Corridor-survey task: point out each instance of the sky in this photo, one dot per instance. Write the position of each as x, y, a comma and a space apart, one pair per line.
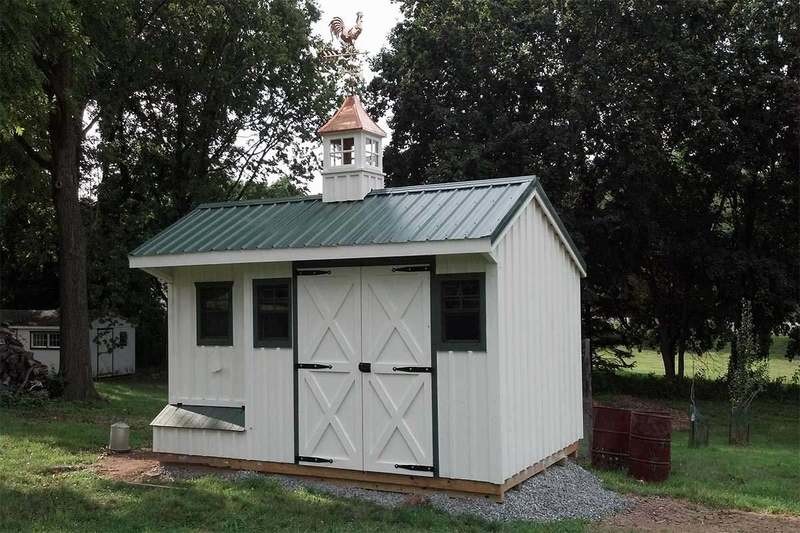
380, 16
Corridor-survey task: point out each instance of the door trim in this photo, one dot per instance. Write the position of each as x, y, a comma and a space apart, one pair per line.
430, 261
97, 352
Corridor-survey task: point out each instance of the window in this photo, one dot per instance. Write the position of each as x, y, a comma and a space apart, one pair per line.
372, 152
123, 339
272, 313
215, 313
342, 151
462, 312
44, 340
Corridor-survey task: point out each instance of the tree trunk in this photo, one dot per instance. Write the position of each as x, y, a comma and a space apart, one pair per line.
681, 359
667, 348
65, 125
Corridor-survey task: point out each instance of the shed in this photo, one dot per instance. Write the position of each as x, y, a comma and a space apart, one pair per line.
411, 337
112, 340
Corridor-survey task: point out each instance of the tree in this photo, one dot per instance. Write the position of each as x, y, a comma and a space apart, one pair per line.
182, 101
51, 51
636, 118
748, 375
225, 98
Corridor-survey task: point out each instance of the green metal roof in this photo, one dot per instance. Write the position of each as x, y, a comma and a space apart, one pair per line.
441, 212
200, 417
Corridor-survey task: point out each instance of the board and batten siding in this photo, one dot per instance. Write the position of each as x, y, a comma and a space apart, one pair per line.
539, 341
261, 379
467, 382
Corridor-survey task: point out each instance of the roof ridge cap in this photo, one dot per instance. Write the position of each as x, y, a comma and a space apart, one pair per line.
258, 201
463, 184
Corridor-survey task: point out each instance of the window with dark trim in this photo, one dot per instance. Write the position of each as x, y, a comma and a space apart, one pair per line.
272, 313
123, 339
215, 313
461, 316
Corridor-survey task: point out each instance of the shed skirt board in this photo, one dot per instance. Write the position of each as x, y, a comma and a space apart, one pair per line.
365, 399
379, 480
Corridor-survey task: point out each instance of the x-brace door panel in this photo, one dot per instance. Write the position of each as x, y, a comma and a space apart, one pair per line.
328, 380
396, 329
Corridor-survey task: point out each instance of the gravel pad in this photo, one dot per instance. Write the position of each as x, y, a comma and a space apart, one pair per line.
560, 492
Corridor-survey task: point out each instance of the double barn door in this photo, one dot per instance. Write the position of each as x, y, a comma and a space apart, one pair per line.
364, 369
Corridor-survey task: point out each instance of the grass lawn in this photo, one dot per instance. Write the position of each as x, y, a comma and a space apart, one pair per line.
715, 364
764, 476
34, 497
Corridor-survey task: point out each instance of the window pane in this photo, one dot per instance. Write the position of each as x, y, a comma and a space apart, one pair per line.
348, 143
272, 320
461, 310
123, 339
55, 340
38, 339
214, 307
462, 327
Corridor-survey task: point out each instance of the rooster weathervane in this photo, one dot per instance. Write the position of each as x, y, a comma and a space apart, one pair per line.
346, 38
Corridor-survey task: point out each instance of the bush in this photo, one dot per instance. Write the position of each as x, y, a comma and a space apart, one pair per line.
652, 386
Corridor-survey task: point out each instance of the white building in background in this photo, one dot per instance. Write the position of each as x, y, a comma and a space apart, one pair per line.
410, 337
112, 340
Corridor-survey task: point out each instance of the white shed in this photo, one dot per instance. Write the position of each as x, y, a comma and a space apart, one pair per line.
412, 337
112, 340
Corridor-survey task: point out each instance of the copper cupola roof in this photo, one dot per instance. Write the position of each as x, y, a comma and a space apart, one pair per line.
351, 116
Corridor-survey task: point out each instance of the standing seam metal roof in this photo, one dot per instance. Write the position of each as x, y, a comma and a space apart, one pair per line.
442, 212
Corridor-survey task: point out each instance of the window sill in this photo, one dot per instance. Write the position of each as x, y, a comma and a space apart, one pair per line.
461, 347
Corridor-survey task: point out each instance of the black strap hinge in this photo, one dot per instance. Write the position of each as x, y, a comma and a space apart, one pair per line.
417, 468
313, 366
417, 268
308, 459
313, 272
419, 369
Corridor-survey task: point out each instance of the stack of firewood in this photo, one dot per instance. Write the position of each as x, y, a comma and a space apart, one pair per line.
20, 373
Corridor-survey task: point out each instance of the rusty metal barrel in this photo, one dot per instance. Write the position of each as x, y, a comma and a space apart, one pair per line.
650, 445
610, 436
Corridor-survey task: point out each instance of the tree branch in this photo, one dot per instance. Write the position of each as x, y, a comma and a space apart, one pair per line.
33, 154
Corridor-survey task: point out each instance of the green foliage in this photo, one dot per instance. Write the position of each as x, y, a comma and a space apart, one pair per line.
185, 102
660, 130
749, 371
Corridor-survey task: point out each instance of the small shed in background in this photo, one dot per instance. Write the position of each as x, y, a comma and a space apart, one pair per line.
112, 340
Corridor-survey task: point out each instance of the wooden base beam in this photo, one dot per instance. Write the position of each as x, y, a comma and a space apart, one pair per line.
376, 480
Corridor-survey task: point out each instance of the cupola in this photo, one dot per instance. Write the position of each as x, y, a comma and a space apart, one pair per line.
353, 154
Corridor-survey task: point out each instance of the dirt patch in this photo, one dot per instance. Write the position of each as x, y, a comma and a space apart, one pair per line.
136, 466
669, 515
680, 419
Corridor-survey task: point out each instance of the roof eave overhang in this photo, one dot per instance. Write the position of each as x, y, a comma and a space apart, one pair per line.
462, 246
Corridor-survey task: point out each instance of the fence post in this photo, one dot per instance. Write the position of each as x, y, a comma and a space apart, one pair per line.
586, 359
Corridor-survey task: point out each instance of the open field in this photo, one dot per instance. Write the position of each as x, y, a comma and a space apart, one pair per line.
715, 364
764, 476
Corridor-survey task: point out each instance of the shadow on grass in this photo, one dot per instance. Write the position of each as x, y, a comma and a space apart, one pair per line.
84, 502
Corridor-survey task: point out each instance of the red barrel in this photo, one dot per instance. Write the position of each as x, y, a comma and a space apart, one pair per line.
610, 435
651, 435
